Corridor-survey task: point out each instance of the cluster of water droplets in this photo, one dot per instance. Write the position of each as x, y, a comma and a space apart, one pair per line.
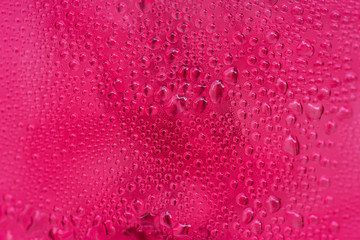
198, 119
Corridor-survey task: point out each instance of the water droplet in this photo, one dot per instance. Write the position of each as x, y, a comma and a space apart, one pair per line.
314, 110
231, 75
242, 199
273, 203
217, 91
296, 106
305, 48
291, 145
200, 105
166, 220
282, 85
247, 215
295, 219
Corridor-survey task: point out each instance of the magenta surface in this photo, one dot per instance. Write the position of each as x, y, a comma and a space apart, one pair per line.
174, 119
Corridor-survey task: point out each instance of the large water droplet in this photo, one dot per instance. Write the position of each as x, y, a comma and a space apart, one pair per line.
291, 145
231, 75
217, 91
273, 203
314, 110
305, 48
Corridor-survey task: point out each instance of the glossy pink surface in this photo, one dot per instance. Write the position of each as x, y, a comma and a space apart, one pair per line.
164, 119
